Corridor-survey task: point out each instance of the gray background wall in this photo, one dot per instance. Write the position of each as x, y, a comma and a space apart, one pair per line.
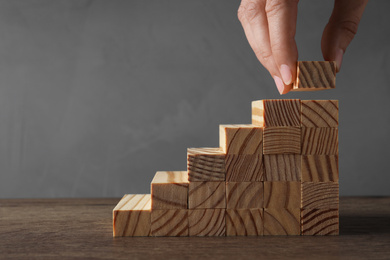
96, 96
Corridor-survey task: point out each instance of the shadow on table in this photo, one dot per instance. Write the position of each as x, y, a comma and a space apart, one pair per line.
361, 225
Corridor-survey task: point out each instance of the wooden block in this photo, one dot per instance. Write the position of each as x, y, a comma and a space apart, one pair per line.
282, 167
320, 113
320, 168
169, 222
320, 195
244, 222
206, 164
206, 195
244, 195
131, 216
315, 75
282, 140
320, 222
282, 194
207, 222
276, 112
240, 168
322, 140
170, 190
281, 221
241, 139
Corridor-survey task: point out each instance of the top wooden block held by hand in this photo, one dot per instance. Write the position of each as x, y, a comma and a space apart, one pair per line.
315, 75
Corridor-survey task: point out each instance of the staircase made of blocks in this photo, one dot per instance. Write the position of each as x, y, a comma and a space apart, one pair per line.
276, 176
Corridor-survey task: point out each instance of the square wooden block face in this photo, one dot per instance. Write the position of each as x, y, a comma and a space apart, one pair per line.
244, 195
315, 75
320, 222
320, 168
207, 222
243, 168
169, 222
206, 164
282, 194
320, 113
279, 222
244, 222
282, 167
320, 195
276, 112
241, 139
170, 190
282, 140
207, 195
322, 140
131, 216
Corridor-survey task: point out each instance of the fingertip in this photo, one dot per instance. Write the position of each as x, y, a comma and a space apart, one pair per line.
286, 74
286, 89
279, 84
339, 59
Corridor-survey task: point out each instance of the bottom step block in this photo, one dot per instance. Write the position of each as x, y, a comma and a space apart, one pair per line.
169, 223
320, 222
131, 216
282, 221
244, 222
207, 222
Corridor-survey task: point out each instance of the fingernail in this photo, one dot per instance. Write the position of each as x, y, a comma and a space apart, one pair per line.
286, 74
339, 59
279, 84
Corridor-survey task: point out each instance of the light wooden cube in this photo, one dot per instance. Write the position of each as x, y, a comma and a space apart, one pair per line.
242, 168
282, 167
244, 222
169, 222
320, 168
170, 190
282, 194
241, 139
321, 140
315, 75
281, 221
206, 164
131, 216
320, 113
282, 140
319, 222
207, 195
320, 195
244, 195
276, 112
207, 222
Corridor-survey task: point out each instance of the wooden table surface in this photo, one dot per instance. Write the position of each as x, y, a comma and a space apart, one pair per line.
82, 228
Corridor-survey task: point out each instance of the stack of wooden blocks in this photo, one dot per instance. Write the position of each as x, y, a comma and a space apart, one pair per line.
276, 176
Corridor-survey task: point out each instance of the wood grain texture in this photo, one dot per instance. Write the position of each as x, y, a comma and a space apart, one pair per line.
320, 113
320, 222
131, 216
321, 140
244, 168
206, 164
276, 112
244, 222
282, 140
169, 222
320, 195
315, 75
170, 190
282, 167
241, 139
81, 228
281, 221
207, 195
282, 194
244, 195
320, 168
207, 222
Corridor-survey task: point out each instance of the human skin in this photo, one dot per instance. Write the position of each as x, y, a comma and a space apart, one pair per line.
270, 27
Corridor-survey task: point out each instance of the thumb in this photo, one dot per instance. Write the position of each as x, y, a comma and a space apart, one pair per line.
341, 29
